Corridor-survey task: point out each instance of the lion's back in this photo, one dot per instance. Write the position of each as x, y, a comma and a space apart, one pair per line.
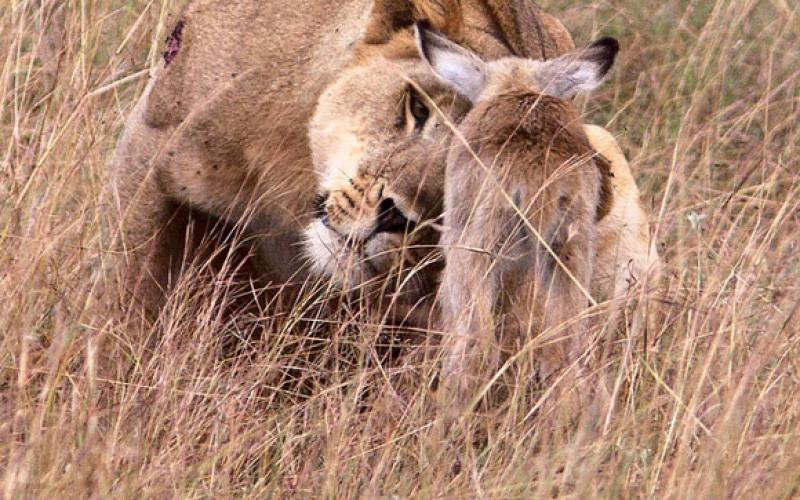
625, 250
217, 44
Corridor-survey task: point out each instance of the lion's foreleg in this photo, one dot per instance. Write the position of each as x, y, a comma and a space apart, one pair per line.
140, 230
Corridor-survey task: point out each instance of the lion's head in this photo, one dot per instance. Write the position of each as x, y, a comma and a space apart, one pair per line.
380, 138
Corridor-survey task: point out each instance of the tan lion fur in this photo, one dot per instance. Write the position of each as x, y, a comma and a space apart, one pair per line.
221, 131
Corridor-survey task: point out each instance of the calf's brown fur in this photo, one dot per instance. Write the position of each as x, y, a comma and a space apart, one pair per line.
222, 129
528, 197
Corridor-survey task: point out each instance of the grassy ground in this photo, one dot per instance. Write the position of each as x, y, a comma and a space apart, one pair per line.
706, 101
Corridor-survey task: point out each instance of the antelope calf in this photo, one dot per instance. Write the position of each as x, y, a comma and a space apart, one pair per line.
529, 204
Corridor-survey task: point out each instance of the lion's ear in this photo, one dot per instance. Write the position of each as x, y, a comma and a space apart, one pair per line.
387, 18
445, 16
391, 16
530, 31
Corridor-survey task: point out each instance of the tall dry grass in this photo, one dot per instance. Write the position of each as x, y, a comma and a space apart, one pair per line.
706, 102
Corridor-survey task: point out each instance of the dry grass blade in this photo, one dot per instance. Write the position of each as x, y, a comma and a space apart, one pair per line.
277, 402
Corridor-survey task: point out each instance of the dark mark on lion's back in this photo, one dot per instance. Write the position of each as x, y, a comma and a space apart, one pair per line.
174, 42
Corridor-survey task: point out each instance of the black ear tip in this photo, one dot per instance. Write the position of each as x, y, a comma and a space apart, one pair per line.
423, 29
424, 26
605, 50
607, 44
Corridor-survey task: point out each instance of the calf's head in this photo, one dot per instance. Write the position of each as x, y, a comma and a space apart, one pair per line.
561, 78
522, 116
380, 135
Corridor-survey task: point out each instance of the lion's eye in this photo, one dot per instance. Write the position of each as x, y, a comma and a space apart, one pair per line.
417, 109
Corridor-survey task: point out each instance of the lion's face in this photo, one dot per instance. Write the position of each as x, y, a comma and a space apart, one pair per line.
379, 140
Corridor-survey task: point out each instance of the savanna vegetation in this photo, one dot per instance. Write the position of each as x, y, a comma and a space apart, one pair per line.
703, 377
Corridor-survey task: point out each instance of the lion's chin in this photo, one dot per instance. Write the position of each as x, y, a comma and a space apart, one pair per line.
346, 267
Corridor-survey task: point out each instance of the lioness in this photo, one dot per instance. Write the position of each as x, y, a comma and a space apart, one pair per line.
524, 193
223, 130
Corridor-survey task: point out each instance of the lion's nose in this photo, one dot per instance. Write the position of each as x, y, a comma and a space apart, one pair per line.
386, 217
391, 219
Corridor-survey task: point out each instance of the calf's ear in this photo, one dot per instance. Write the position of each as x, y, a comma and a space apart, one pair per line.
580, 71
453, 64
